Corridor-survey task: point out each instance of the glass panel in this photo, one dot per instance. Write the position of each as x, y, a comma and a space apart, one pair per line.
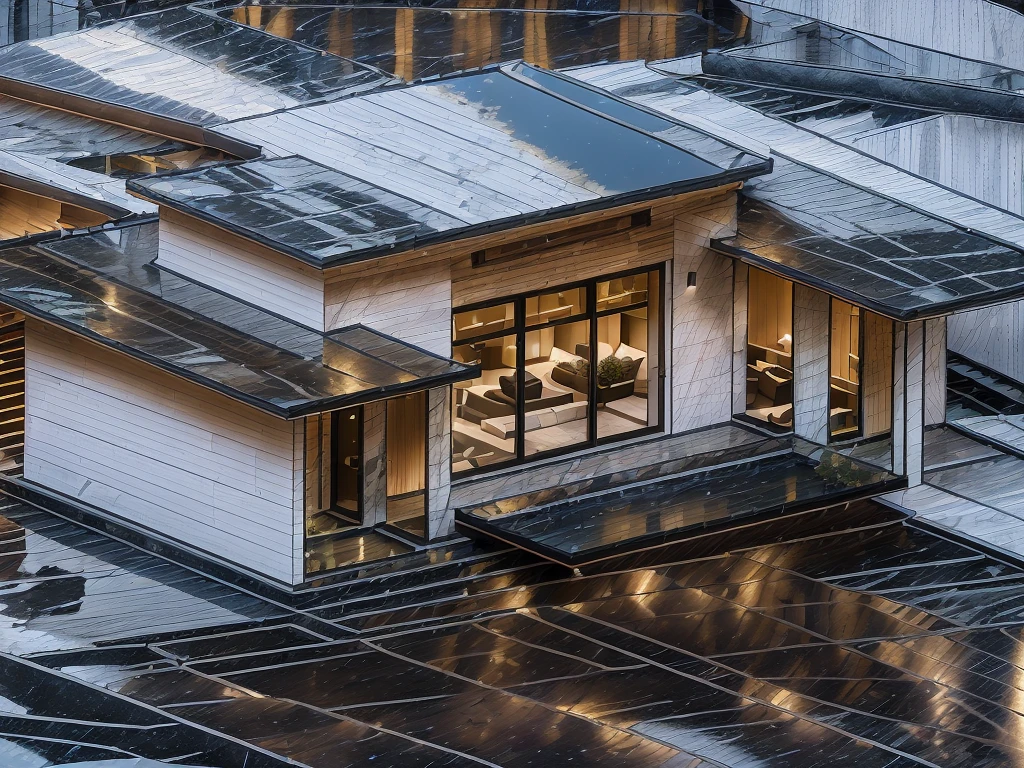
622, 291
556, 305
628, 345
770, 349
557, 383
333, 484
407, 463
484, 420
347, 453
844, 372
480, 322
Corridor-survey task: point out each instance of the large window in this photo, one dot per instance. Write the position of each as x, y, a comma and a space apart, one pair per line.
770, 349
561, 369
844, 381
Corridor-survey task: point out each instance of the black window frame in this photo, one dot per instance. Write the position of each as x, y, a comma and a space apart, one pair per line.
520, 329
849, 435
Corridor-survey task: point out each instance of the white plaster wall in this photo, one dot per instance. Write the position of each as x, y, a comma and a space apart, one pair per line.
163, 453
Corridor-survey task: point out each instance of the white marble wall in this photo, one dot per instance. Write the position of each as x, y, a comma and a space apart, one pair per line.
702, 322
915, 402
740, 298
935, 371
810, 363
375, 478
440, 518
993, 336
899, 399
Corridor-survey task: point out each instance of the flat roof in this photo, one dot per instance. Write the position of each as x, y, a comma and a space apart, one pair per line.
297, 206
460, 156
104, 287
184, 65
571, 35
65, 137
891, 259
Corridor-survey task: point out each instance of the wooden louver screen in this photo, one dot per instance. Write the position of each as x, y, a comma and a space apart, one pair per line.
562, 237
12, 390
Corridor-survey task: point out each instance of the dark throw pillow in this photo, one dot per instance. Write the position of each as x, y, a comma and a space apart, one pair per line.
534, 386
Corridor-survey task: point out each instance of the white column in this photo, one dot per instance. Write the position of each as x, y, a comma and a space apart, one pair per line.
899, 403
375, 465
935, 371
915, 402
810, 363
440, 519
739, 336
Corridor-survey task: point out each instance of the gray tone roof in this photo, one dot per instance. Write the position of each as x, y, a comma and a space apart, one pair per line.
490, 150
104, 286
184, 65
867, 249
66, 137
834, 212
297, 206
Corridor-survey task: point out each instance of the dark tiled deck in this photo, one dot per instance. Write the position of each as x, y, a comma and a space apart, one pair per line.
587, 529
826, 639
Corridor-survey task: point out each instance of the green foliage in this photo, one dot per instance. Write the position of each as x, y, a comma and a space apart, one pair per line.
610, 371
837, 470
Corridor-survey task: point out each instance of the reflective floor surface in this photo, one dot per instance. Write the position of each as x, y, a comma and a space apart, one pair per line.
842, 637
770, 477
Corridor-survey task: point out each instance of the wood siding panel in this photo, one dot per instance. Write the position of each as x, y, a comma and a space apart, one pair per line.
231, 264
877, 373
163, 453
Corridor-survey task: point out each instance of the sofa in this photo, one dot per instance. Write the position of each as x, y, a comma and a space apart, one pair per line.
575, 374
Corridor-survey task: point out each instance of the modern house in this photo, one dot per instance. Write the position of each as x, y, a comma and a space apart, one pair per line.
281, 312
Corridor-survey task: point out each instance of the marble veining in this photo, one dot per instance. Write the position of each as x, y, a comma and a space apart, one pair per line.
811, 361
440, 518
935, 371
740, 283
915, 384
375, 480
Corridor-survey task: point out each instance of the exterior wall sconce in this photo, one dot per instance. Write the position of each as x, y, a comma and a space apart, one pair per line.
691, 279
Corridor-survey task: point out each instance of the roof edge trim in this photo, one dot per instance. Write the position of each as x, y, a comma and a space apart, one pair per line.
138, 119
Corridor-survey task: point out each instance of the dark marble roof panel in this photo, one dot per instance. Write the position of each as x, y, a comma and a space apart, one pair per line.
186, 65
867, 248
113, 296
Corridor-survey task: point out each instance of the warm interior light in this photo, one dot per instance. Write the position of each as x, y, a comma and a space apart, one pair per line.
691, 279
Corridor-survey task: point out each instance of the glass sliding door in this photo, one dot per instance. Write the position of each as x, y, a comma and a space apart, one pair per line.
844, 398
407, 463
628, 351
561, 370
333, 484
556, 415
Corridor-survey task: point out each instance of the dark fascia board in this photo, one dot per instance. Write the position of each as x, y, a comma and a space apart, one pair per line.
317, 406
896, 90
726, 177
938, 309
117, 114
111, 210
